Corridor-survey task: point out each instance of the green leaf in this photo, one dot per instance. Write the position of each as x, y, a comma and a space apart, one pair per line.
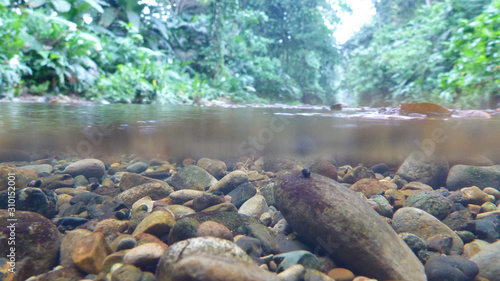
108, 17
134, 19
61, 6
161, 27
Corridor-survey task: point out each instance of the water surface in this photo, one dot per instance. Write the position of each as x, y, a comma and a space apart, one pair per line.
350, 136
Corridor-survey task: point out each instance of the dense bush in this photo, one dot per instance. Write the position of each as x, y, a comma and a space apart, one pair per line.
172, 52
446, 52
191, 51
475, 78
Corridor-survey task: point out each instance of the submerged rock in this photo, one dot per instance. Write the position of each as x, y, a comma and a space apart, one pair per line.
157, 223
205, 201
197, 246
33, 199
154, 190
216, 168
472, 114
20, 178
292, 258
488, 226
59, 181
35, 236
455, 268
254, 207
428, 169
89, 252
358, 173
137, 167
464, 176
129, 180
327, 214
68, 242
87, 167
214, 229
214, 268
229, 182
242, 193
191, 176
145, 255
424, 225
370, 187
39, 169
325, 168
59, 274
236, 222
488, 261
432, 202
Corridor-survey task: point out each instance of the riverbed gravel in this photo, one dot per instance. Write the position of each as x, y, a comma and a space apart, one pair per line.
120, 218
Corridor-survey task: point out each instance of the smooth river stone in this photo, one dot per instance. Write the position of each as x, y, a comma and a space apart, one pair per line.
336, 219
461, 176
488, 261
424, 225
197, 246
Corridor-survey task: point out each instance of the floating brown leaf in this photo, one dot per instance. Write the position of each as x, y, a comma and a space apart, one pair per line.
424, 108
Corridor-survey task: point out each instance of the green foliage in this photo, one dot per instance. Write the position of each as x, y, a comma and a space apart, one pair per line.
171, 52
57, 52
475, 77
12, 67
303, 44
400, 64
126, 85
441, 54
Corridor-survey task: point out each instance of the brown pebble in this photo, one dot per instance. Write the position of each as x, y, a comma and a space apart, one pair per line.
273, 266
188, 162
474, 208
214, 229
188, 204
90, 251
341, 274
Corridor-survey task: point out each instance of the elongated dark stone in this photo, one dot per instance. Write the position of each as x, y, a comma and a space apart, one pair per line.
334, 218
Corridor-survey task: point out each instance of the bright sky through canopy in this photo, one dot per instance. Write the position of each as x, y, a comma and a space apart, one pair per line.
362, 12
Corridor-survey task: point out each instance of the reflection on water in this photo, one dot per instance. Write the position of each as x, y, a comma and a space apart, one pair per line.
172, 131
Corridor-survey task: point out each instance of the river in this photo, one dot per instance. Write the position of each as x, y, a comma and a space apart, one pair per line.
350, 136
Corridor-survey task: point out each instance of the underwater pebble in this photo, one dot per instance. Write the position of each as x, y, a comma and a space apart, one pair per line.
229, 182
431, 170
464, 176
87, 167
215, 268
424, 225
137, 167
254, 207
441, 268
144, 255
214, 229
35, 236
191, 176
89, 252
198, 246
